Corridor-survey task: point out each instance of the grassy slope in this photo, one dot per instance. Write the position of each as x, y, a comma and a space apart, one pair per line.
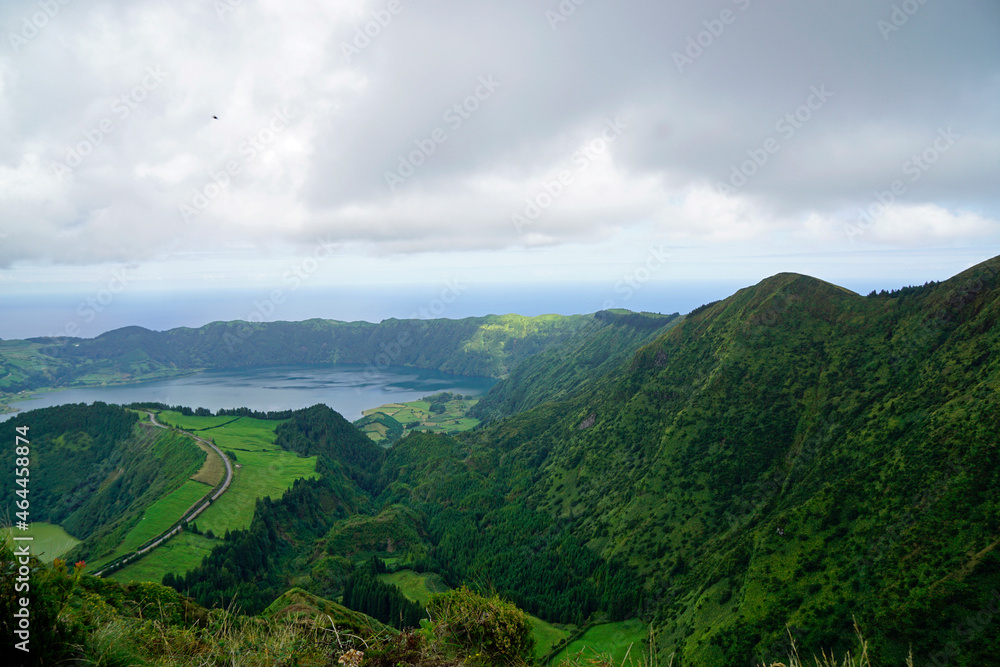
613, 642
177, 555
95, 471
264, 468
751, 461
157, 518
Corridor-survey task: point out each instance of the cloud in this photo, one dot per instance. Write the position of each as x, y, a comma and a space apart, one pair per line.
112, 153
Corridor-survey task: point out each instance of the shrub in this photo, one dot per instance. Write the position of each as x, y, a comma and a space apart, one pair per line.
491, 628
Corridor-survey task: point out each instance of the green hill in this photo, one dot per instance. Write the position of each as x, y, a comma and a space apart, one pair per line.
782, 463
488, 346
556, 373
95, 470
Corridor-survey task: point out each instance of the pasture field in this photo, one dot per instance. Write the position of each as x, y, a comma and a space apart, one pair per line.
177, 555
609, 639
417, 416
261, 467
415, 586
50, 541
157, 518
259, 474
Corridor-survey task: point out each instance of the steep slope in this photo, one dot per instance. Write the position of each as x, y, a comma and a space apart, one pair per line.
789, 459
95, 469
599, 348
795, 454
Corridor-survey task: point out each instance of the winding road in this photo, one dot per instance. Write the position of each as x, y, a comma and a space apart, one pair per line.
192, 512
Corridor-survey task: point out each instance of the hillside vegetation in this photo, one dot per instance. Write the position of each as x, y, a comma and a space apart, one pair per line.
776, 466
95, 470
488, 346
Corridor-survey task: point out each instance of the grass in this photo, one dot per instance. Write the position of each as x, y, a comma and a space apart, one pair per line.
213, 470
415, 586
452, 420
609, 641
419, 587
263, 469
50, 541
547, 635
177, 555
261, 473
157, 518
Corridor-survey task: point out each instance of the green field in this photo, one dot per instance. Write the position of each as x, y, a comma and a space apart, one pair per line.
157, 518
49, 540
415, 586
420, 587
261, 467
609, 639
177, 555
416, 416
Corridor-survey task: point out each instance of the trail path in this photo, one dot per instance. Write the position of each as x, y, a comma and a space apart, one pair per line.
190, 515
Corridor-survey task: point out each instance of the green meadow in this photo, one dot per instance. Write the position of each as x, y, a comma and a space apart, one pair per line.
417, 416
177, 555
48, 542
157, 518
261, 467
608, 642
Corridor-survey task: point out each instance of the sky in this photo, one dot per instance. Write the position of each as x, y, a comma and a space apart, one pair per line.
280, 149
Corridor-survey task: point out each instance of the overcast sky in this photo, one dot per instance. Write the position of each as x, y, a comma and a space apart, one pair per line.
409, 141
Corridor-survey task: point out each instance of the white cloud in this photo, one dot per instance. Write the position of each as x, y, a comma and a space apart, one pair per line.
135, 86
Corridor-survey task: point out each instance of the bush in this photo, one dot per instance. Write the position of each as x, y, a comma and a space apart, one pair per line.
491, 628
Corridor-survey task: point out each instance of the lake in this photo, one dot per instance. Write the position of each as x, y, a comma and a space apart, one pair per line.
347, 388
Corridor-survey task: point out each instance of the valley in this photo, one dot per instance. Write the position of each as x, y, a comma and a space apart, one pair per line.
790, 461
